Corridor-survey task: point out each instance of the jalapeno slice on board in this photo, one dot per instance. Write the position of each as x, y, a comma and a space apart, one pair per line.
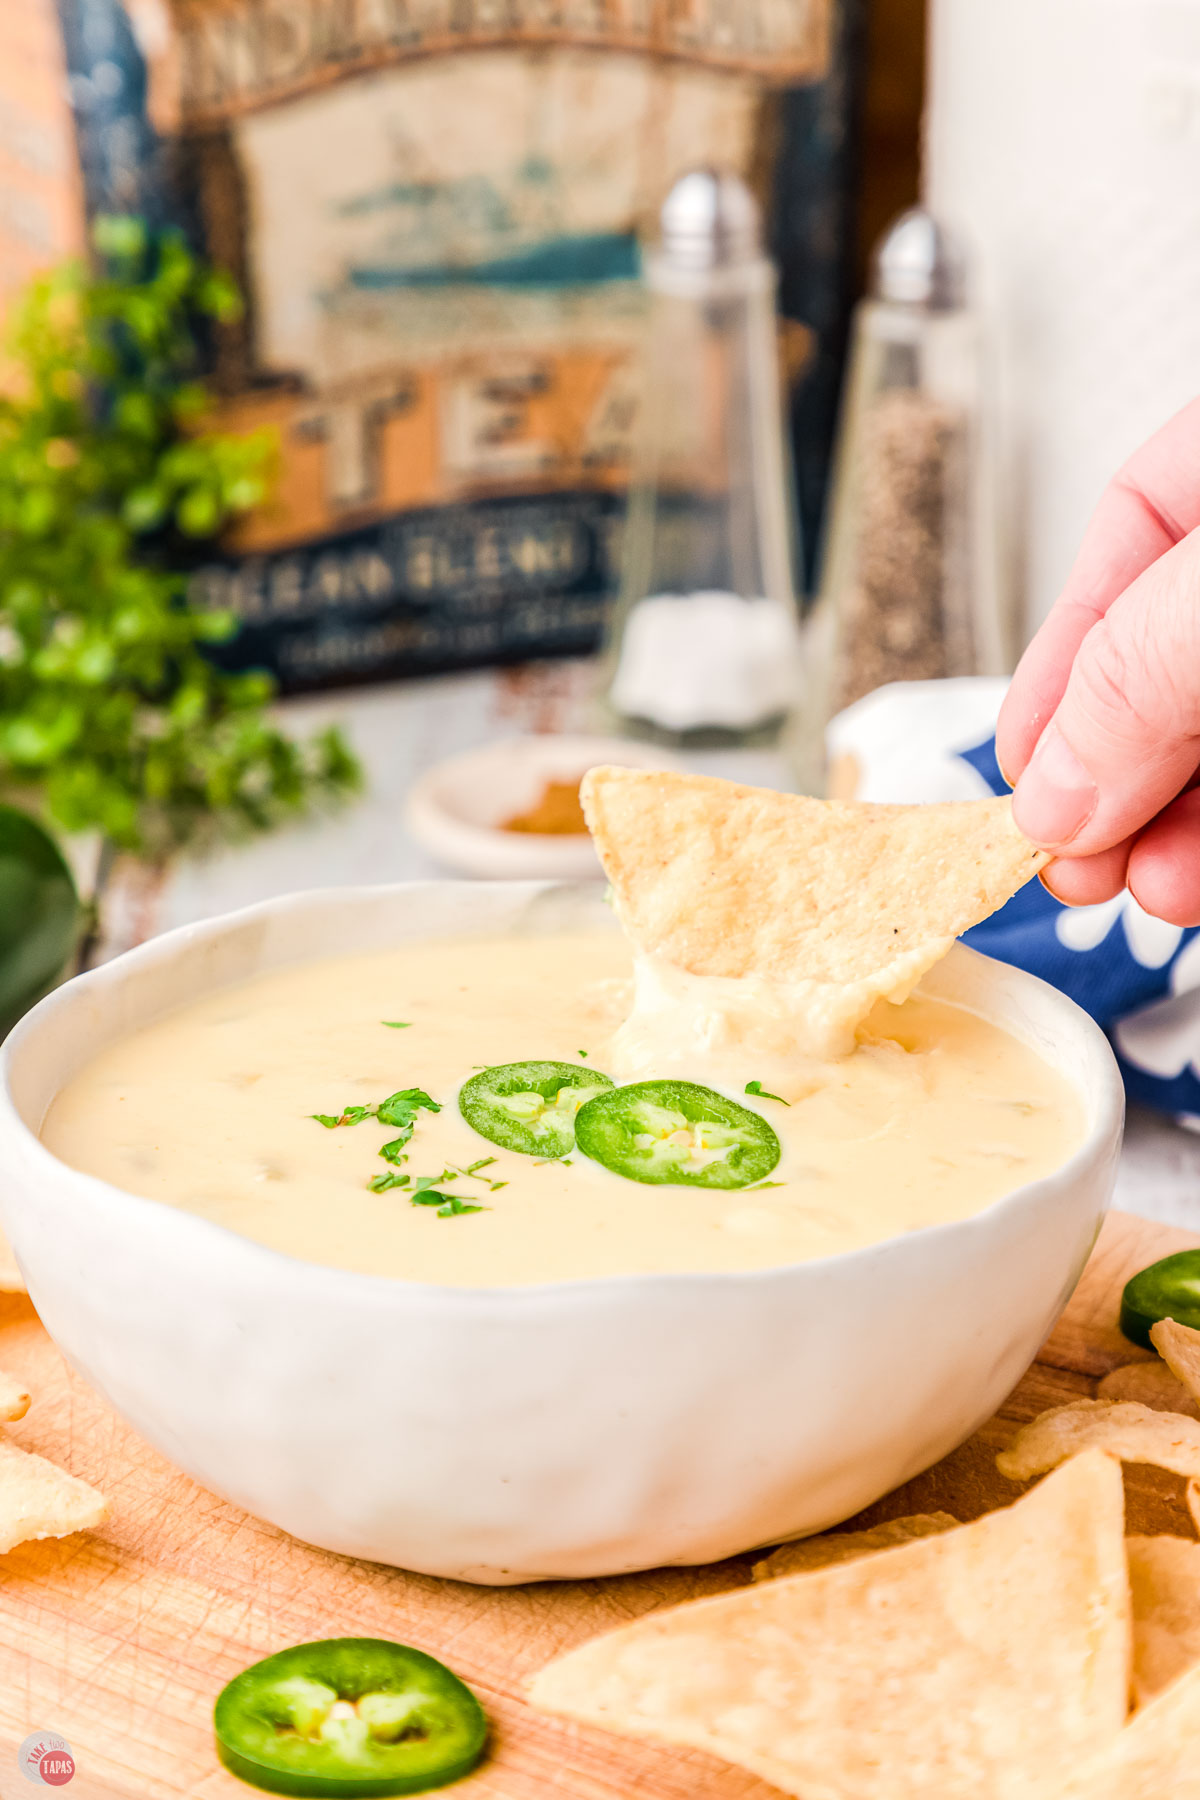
1169, 1289
349, 1716
675, 1132
529, 1107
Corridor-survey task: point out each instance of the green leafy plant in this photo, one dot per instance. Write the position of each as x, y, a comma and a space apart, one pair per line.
41, 921
111, 715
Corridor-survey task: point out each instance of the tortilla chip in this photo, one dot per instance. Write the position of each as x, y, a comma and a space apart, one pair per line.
14, 1401
1154, 1757
1150, 1384
1164, 1580
1123, 1428
727, 880
1191, 1498
11, 1279
843, 1546
980, 1664
39, 1500
1179, 1347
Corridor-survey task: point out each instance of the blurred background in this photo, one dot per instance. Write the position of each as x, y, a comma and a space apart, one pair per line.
405, 406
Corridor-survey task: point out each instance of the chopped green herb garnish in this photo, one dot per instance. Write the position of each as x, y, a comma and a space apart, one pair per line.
350, 1115
449, 1206
497, 1185
396, 1024
398, 1109
427, 1181
756, 1087
385, 1179
581, 1053
402, 1108
760, 1185
485, 1162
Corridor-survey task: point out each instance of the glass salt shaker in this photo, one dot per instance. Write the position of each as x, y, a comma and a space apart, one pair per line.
910, 583
705, 646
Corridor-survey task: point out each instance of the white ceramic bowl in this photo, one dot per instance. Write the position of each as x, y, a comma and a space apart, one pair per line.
573, 1429
456, 809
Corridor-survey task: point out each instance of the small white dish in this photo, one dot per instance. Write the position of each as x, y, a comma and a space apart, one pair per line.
456, 809
568, 1429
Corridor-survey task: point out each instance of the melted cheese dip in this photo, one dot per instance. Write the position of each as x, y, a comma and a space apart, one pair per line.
935, 1114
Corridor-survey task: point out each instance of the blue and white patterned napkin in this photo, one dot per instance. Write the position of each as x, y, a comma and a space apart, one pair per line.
1138, 977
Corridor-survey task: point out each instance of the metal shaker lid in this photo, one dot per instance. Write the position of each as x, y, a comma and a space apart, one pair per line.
710, 220
918, 263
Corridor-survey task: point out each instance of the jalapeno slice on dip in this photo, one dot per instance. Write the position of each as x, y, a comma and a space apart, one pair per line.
675, 1132
529, 1107
1169, 1289
349, 1716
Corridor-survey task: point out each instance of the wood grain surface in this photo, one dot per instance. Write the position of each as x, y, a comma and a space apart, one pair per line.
121, 1639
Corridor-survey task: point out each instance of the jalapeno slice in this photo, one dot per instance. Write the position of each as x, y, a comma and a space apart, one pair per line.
1169, 1289
529, 1107
349, 1716
675, 1132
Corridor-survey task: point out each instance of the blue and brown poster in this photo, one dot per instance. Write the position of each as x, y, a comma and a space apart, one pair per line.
434, 209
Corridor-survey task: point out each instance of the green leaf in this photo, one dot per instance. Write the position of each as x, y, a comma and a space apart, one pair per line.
757, 1088
29, 741
35, 511
144, 508
199, 513
349, 1115
119, 236
401, 1108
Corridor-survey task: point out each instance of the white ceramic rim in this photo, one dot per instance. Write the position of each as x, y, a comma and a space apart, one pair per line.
1105, 1104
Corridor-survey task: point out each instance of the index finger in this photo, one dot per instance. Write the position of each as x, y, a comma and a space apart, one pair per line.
1149, 506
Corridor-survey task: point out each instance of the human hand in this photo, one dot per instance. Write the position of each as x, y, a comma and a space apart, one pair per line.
1100, 730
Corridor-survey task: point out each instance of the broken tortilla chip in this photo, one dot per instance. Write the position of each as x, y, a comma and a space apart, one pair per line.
14, 1401
1150, 1384
40, 1500
842, 1546
1191, 1499
980, 1664
1179, 1347
1123, 1428
1154, 1757
1164, 1581
727, 880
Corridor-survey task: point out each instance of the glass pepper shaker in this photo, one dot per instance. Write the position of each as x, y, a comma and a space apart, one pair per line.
909, 587
705, 645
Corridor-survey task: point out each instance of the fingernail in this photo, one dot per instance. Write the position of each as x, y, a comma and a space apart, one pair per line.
1056, 796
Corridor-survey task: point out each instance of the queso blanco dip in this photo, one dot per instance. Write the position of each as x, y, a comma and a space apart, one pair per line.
935, 1114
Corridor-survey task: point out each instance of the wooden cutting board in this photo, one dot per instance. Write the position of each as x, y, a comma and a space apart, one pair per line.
121, 1639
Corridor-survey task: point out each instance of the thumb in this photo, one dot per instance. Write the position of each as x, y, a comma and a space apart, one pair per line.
1125, 737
